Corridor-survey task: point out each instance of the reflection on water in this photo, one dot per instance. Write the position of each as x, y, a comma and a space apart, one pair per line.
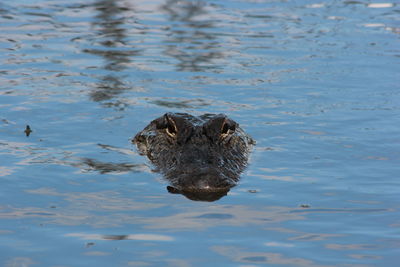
144, 237
190, 38
109, 25
108, 87
79, 207
108, 167
200, 196
32, 154
238, 255
182, 104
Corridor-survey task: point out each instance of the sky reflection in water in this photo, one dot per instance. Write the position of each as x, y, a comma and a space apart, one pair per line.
316, 85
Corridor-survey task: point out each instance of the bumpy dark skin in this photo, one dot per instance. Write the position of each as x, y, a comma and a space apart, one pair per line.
202, 157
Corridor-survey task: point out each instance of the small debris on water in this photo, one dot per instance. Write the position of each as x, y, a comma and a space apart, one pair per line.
305, 206
89, 244
28, 130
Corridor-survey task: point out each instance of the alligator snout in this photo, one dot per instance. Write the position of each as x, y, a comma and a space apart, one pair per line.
201, 179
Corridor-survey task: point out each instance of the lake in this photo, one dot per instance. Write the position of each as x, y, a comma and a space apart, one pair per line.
316, 84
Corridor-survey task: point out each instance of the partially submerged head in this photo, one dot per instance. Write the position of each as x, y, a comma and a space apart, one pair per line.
196, 154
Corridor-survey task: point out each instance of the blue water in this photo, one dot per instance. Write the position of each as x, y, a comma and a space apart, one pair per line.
316, 84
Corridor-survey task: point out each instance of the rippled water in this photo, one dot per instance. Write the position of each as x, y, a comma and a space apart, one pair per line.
315, 83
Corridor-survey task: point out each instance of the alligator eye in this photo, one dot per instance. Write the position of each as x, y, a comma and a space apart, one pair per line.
228, 127
171, 129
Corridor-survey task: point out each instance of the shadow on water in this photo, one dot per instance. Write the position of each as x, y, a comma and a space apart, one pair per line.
189, 39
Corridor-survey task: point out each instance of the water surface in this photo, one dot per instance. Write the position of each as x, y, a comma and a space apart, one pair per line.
316, 85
